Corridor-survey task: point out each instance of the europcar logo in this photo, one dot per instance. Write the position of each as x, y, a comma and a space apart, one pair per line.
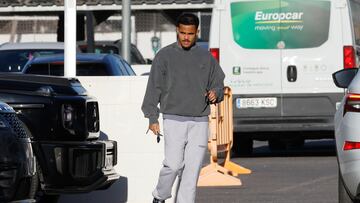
236, 70
286, 17
262, 24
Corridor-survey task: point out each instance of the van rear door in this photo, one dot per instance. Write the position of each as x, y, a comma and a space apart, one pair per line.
311, 51
250, 57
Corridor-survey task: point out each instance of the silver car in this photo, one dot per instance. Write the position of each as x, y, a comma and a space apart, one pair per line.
347, 135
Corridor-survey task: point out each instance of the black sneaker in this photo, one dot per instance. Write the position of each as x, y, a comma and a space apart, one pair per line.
158, 201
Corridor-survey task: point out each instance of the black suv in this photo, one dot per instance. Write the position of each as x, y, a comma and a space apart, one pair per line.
63, 123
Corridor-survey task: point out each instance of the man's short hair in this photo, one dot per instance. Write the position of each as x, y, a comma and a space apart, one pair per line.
187, 19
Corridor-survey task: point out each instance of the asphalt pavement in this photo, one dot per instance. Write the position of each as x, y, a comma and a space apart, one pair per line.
298, 175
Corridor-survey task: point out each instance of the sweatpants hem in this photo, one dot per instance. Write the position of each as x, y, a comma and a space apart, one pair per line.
157, 196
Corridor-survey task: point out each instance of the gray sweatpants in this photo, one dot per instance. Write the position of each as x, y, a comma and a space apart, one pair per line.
186, 141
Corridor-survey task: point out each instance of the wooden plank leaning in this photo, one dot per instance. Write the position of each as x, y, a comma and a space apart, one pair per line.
220, 140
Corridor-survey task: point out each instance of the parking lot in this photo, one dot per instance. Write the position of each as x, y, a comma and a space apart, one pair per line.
297, 175
87, 137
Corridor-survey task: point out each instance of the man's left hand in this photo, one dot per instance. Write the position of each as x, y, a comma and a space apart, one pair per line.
212, 96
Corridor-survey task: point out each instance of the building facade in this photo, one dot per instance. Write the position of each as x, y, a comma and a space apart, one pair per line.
152, 21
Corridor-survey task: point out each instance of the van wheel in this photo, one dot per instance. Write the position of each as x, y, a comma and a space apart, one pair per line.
344, 197
242, 145
276, 144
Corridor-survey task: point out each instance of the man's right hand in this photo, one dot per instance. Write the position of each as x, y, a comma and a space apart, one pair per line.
155, 128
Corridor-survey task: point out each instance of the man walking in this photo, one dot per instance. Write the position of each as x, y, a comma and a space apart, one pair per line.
184, 79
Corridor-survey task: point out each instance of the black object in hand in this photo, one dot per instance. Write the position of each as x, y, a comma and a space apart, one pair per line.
158, 137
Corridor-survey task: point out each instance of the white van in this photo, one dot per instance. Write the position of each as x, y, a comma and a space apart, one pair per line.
278, 57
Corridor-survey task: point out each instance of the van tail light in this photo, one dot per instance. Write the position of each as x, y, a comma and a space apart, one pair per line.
349, 57
348, 145
216, 53
352, 103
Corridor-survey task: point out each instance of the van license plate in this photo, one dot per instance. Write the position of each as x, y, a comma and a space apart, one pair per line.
265, 102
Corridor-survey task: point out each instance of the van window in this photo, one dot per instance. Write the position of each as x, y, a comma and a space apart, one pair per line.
355, 13
280, 24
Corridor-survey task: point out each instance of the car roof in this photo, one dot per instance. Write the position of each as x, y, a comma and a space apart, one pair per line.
89, 57
32, 45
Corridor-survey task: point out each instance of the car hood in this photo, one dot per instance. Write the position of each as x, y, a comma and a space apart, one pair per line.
44, 85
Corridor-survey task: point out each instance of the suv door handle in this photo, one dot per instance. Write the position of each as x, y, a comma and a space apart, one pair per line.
291, 73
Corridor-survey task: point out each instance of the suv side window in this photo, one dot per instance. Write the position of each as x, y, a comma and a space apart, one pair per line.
39, 69
83, 69
91, 69
120, 65
128, 68
124, 66
15, 60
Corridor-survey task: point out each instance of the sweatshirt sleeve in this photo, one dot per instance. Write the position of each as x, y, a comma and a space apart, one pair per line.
217, 77
153, 92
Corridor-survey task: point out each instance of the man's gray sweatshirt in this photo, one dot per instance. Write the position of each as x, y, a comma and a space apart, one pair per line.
179, 80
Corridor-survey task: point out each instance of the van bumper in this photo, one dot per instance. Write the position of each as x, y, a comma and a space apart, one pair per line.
271, 124
293, 112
